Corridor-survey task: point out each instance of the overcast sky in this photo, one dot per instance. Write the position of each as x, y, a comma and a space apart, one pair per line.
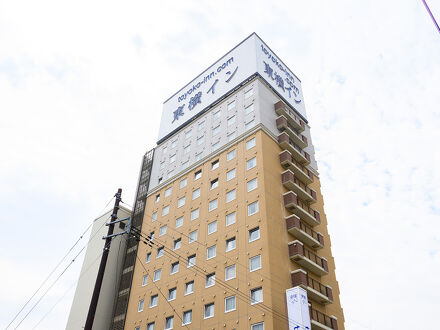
81, 90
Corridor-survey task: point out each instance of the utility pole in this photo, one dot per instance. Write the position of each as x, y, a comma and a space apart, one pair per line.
100, 276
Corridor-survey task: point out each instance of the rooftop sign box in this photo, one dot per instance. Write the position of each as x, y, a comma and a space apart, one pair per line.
252, 56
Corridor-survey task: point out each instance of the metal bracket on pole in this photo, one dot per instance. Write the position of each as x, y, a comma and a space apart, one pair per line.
126, 231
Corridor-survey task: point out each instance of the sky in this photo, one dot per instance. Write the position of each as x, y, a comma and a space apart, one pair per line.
81, 90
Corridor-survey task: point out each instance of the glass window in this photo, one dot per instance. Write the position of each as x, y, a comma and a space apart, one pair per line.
214, 184
159, 180
198, 175
230, 272
141, 305
163, 230
212, 227
231, 120
255, 263
230, 304
174, 267
210, 280
151, 236
177, 244
209, 310
172, 158
230, 244
157, 199
174, 144
213, 204
256, 295
201, 125
230, 218
251, 163
187, 317
230, 155
165, 210
165, 149
216, 115
199, 156
157, 274
162, 165
150, 326
194, 214
188, 134
187, 149
252, 184
231, 136
183, 183
169, 321
249, 109
191, 261
253, 208
230, 174
160, 252
154, 217
200, 140
249, 93
257, 326
144, 280
148, 257
193, 236
172, 294
181, 202
254, 234
153, 300
215, 146
137, 328
196, 193
168, 191
210, 252
230, 196
215, 164
231, 105
250, 144
249, 124
179, 222
216, 130
189, 287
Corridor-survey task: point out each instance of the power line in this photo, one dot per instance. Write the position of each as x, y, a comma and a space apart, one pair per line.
430, 14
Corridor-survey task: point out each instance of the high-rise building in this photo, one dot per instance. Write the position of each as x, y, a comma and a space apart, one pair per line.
230, 207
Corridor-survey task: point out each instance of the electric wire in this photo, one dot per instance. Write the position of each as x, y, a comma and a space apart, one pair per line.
430, 14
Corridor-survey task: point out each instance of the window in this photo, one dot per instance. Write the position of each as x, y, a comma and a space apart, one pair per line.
215, 146
198, 175
254, 234
257, 326
154, 217
182, 183
162, 165
230, 244
137, 328
200, 140
189, 287
160, 252
150, 326
253, 208
230, 196
157, 274
181, 202
216, 115
209, 310
179, 222
196, 193
230, 218
193, 236
188, 134
168, 191
159, 180
210, 280
252, 184
141, 305
255, 263
172, 158
174, 144
144, 280
210, 252
163, 230
231, 120
230, 304
157, 198
194, 214
166, 210
212, 227
164, 149
250, 144
251, 163
249, 93
198, 156
231, 136
172, 294
191, 261
231, 105
216, 130
230, 174
214, 184
148, 257
187, 317
256, 295
177, 244
249, 124
249, 109
215, 164
229, 272
174, 267
153, 301
213, 205
230, 155
187, 149
169, 322
201, 125
151, 236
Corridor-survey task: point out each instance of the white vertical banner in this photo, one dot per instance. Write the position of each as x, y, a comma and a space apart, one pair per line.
298, 309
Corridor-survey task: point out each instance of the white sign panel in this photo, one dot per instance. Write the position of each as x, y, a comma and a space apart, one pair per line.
249, 57
298, 309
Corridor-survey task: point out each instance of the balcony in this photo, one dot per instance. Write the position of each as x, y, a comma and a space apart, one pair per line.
284, 126
315, 290
297, 153
304, 233
282, 110
299, 188
307, 259
304, 212
299, 170
320, 321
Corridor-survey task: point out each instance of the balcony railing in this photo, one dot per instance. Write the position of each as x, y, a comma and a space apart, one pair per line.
315, 290
284, 126
301, 209
287, 143
298, 187
303, 232
321, 321
294, 120
307, 258
287, 161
